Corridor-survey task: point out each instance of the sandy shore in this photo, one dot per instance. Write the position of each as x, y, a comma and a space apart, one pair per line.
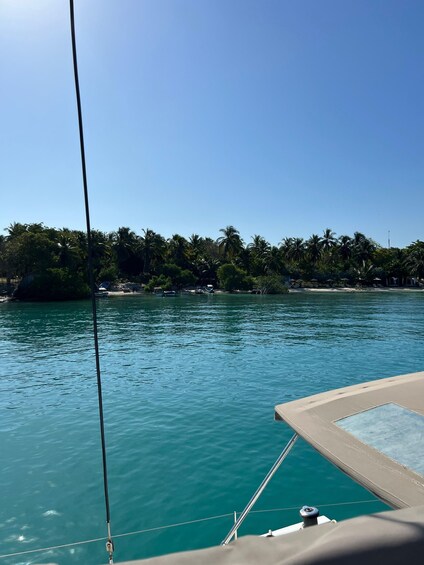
351, 289
299, 290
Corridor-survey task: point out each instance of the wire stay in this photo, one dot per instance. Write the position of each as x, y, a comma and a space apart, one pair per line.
109, 543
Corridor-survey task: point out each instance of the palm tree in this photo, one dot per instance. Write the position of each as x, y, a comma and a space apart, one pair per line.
259, 251
152, 249
230, 243
365, 271
328, 240
328, 245
67, 249
206, 269
344, 248
16, 229
259, 245
126, 245
177, 250
274, 261
415, 258
285, 248
196, 250
297, 252
124, 242
195, 244
293, 250
363, 248
314, 247
391, 263
101, 250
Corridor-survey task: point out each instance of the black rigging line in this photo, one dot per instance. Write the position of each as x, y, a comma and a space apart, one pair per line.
109, 544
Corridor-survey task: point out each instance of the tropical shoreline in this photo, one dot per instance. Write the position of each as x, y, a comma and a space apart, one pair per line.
343, 290
38, 263
291, 291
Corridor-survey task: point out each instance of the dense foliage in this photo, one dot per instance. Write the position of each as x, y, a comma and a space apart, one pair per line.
51, 263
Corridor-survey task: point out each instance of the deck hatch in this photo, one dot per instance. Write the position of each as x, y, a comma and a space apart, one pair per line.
392, 430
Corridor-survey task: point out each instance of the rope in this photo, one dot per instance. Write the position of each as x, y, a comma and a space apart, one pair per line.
109, 544
176, 525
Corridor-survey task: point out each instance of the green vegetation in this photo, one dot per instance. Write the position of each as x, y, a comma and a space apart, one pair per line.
231, 277
271, 284
51, 263
53, 284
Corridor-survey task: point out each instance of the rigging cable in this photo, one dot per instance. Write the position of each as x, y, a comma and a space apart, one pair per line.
109, 543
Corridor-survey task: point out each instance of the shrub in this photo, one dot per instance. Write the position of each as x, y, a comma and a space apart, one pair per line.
271, 284
164, 282
51, 285
233, 278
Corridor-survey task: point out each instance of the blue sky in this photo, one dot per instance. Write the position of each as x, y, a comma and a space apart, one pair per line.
281, 118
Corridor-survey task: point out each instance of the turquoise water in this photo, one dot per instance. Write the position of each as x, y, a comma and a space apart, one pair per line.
189, 389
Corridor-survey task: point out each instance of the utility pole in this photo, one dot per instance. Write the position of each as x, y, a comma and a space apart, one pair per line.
388, 239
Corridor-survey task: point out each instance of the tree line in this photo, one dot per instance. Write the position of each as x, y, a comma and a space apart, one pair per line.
51, 263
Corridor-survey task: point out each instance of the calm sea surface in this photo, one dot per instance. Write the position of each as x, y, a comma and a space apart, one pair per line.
189, 389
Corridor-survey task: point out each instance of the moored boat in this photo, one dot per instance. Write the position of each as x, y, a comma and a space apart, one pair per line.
101, 293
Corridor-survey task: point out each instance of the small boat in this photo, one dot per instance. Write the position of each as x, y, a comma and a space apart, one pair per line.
189, 291
101, 292
208, 289
169, 293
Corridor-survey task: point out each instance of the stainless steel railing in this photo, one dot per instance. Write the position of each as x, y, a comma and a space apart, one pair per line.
260, 490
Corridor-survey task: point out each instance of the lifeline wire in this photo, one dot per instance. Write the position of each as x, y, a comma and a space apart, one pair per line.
176, 525
109, 544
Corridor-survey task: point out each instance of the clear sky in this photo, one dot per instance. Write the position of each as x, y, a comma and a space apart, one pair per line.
279, 117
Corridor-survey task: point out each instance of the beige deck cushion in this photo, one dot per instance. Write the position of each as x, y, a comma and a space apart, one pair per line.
392, 538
